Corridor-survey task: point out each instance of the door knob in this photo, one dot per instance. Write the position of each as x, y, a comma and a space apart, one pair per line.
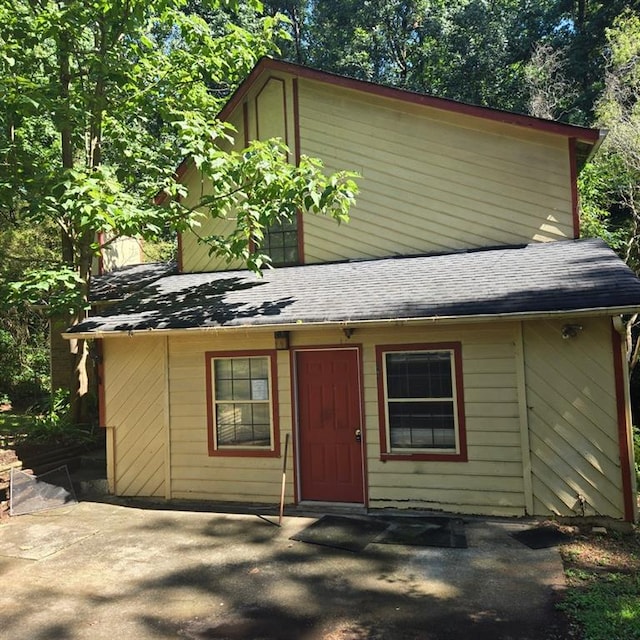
358, 435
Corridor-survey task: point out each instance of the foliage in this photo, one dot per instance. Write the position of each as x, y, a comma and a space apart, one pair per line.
99, 101
606, 607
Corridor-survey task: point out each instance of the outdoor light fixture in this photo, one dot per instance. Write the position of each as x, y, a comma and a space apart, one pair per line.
282, 340
571, 331
348, 332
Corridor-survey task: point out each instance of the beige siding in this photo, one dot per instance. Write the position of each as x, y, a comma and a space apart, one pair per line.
491, 482
134, 393
195, 474
570, 448
430, 180
573, 419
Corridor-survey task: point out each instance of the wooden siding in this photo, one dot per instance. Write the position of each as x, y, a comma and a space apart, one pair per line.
134, 394
196, 475
572, 419
491, 482
430, 180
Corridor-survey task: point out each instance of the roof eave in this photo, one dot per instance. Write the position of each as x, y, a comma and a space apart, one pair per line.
377, 322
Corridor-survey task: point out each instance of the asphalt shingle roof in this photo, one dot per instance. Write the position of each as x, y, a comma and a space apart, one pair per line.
122, 282
537, 278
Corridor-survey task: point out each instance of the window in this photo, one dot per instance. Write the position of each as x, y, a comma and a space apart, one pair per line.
242, 411
420, 401
281, 242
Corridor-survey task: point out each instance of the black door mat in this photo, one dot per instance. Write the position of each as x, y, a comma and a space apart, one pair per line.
542, 537
354, 534
350, 534
425, 532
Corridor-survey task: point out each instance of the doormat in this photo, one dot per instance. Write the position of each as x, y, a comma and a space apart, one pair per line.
425, 532
350, 534
541, 537
29, 494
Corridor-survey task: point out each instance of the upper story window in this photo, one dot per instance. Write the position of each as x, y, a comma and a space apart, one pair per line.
421, 403
242, 410
281, 243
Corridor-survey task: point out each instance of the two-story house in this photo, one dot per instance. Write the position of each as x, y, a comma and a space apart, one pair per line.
455, 347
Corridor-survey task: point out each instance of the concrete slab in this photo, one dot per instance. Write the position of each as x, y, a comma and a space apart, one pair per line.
142, 573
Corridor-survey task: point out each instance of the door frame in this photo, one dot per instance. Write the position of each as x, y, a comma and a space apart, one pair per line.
295, 430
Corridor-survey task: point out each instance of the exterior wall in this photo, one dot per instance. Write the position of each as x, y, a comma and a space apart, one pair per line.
122, 252
430, 180
490, 482
134, 391
540, 412
196, 475
572, 413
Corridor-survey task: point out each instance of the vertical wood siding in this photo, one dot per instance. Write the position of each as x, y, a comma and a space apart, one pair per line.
572, 419
134, 394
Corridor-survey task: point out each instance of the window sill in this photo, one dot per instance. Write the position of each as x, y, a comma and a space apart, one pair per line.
244, 453
422, 455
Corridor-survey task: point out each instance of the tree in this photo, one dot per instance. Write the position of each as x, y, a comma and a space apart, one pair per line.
100, 99
610, 185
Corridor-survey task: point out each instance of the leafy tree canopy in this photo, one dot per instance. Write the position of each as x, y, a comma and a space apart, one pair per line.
100, 99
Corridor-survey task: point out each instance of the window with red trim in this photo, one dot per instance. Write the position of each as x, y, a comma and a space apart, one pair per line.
242, 410
420, 402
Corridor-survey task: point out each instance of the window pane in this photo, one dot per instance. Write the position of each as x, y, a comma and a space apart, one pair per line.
419, 375
242, 398
243, 424
222, 369
422, 425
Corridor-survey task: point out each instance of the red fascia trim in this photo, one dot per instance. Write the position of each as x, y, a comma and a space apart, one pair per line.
456, 347
487, 113
296, 135
102, 405
621, 407
573, 172
272, 354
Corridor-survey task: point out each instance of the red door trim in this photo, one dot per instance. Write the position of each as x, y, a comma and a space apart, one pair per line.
295, 426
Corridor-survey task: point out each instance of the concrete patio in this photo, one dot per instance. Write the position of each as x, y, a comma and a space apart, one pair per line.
107, 570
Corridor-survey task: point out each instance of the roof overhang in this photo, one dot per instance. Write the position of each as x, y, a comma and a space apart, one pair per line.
363, 324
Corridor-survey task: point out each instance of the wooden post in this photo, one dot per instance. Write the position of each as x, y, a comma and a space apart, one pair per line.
284, 477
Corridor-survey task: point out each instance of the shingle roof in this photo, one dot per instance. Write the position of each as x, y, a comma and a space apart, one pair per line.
121, 283
564, 276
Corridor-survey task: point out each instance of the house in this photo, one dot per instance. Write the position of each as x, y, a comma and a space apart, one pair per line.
455, 347
118, 272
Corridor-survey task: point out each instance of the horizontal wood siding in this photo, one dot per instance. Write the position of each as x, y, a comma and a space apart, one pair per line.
431, 181
572, 420
134, 394
491, 482
196, 475
195, 254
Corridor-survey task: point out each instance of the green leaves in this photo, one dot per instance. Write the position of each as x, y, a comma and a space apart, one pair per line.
257, 188
60, 290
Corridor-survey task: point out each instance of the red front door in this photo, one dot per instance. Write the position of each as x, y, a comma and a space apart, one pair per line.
329, 423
